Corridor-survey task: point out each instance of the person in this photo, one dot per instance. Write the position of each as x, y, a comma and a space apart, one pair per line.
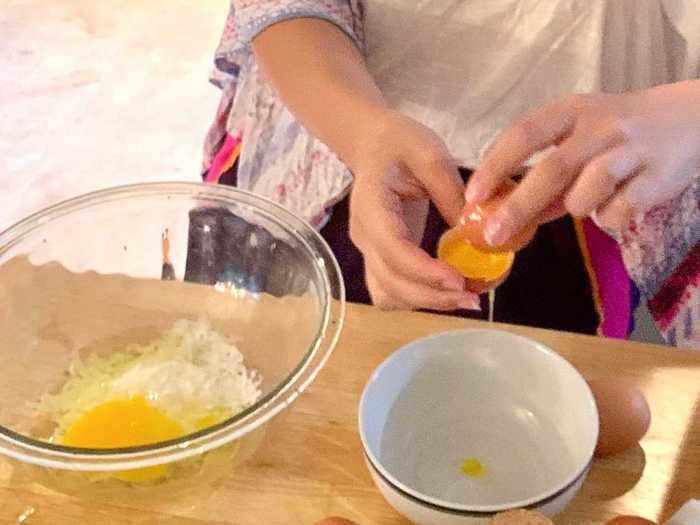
398, 102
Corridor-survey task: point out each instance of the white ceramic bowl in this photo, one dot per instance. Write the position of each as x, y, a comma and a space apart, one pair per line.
509, 402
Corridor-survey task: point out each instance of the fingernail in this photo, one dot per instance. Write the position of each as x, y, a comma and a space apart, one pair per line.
454, 285
470, 302
496, 232
475, 193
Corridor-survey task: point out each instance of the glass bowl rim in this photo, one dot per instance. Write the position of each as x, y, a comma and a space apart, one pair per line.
41, 453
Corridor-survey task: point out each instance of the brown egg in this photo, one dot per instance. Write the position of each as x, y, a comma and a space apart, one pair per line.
520, 517
474, 218
334, 520
629, 520
623, 412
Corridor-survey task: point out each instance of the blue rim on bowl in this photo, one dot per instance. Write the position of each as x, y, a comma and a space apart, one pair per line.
471, 513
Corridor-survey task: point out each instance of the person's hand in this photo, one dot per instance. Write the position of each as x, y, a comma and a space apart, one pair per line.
403, 166
614, 154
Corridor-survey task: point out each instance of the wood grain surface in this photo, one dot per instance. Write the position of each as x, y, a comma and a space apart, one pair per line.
310, 464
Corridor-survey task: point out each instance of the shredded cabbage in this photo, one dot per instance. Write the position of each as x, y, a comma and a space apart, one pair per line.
192, 373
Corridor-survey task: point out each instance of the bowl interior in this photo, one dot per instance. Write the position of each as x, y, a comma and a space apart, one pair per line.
478, 420
87, 278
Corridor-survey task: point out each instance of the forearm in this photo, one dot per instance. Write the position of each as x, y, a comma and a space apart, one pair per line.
321, 76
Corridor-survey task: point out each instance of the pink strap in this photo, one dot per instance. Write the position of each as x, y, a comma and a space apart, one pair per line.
220, 159
614, 286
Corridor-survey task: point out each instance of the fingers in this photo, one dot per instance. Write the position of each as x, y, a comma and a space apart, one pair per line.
399, 274
641, 192
377, 227
545, 184
379, 296
600, 179
440, 177
392, 291
552, 212
615, 215
659, 184
537, 131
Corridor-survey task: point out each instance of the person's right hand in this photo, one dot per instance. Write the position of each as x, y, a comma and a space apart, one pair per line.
404, 166
613, 155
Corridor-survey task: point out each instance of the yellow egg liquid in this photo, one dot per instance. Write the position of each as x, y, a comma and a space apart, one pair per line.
130, 423
473, 468
471, 262
124, 423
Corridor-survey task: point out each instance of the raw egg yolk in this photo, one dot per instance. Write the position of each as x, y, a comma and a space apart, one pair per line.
471, 262
124, 423
473, 468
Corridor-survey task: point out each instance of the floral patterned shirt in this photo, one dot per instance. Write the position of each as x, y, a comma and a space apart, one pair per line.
280, 160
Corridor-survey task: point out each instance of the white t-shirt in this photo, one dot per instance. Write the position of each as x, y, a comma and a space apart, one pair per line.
469, 68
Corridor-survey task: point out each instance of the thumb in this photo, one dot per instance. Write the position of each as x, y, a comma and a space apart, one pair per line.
438, 174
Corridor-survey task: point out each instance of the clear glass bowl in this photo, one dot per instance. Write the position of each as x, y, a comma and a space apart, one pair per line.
88, 276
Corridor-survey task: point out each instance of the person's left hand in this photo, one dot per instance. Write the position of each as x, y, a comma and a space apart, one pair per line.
614, 154
403, 166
